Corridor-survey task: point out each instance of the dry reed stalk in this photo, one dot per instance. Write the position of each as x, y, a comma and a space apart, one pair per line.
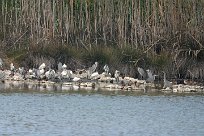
121, 22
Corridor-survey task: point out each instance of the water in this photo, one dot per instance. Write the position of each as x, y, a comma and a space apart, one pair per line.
63, 114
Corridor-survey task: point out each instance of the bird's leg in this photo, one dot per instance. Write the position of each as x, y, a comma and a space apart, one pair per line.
117, 80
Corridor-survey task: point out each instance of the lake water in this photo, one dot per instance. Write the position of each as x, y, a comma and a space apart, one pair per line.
87, 114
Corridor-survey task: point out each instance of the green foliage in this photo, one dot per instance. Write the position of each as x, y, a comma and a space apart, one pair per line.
17, 55
130, 54
160, 61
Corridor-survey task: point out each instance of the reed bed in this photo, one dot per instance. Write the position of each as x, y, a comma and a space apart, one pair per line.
164, 32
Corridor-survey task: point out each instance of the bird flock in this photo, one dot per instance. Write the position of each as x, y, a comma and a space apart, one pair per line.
63, 74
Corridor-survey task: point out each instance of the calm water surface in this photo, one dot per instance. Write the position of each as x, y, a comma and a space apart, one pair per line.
63, 114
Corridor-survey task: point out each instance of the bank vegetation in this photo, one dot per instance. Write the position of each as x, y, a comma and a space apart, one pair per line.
160, 35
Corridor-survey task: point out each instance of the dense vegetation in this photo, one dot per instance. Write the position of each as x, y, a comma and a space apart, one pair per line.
158, 34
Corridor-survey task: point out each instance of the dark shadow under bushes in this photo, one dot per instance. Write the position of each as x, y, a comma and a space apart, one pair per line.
125, 59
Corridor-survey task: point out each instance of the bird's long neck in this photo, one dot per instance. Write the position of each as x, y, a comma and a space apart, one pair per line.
164, 76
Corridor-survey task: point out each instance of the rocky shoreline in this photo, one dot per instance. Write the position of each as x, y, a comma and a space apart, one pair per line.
126, 84
90, 79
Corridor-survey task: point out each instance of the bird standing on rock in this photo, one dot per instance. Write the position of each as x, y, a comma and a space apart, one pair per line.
151, 77
1, 63
106, 69
117, 74
141, 72
12, 68
42, 66
92, 69
64, 66
64, 72
59, 67
41, 71
50, 74
166, 82
95, 75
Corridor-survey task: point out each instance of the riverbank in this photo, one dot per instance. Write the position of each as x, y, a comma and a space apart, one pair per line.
80, 33
139, 86
63, 78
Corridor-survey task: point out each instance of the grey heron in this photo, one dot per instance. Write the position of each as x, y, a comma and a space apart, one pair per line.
93, 67
166, 82
141, 72
59, 67
116, 75
151, 77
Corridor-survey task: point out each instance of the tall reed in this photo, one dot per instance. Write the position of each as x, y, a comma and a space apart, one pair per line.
154, 27
133, 23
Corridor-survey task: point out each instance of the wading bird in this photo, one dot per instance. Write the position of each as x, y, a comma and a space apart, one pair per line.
59, 67
106, 69
117, 74
92, 69
141, 72
12, 68
166, 82
41, 71
64, 66
42, 66
50, 74
1, 63
151, 77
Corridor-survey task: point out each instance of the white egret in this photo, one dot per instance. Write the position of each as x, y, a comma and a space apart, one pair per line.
106, 68
12, 68
41, 72
64, 73
64, 66
1, 63
42, 66
95, 75
21, 70
75, 79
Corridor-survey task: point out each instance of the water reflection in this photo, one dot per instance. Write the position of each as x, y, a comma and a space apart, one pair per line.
38, 87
